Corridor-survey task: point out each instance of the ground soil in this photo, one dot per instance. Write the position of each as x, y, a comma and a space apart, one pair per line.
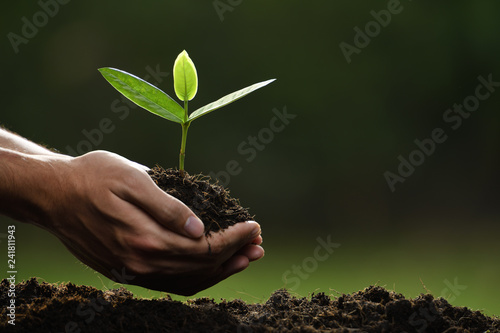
44, 307
210, 202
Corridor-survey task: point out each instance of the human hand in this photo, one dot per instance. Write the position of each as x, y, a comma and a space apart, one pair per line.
109, 213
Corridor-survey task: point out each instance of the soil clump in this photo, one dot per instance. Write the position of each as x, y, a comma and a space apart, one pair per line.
210, 202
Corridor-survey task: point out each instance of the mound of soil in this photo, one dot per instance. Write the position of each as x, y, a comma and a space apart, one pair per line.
210, 202
44, 307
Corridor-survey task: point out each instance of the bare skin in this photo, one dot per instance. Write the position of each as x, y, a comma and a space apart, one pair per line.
109, 213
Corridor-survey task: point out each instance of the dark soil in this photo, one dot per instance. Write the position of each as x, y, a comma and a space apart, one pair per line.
43, 307
210, 202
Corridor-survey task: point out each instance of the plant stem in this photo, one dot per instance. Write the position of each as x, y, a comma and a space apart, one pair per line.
183, 146
185, 127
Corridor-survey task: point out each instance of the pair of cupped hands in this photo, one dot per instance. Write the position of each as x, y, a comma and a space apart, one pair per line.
111, 215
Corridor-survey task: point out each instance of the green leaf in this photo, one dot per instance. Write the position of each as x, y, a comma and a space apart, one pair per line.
144, 94
227, 99
185, 77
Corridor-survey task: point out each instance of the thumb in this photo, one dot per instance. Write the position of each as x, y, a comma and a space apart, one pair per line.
176, 216
164, 208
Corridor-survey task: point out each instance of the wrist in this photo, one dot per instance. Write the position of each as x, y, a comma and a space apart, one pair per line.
30, 185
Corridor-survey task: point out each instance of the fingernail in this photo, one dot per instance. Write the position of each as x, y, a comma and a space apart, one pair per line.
194, 227
256, 231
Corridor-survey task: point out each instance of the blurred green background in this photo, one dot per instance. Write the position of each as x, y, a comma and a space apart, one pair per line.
323, 175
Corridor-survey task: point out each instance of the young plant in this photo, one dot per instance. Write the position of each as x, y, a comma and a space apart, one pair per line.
156, 101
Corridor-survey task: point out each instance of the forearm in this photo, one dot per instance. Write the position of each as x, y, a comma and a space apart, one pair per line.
27, 182
9, 140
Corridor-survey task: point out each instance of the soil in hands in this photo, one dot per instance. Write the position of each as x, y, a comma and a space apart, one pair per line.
43, 307
210, 202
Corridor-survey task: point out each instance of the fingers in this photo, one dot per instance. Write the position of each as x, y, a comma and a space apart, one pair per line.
165, 209
226, 243
194, 227
257, 241
173, 214
252, 252
235, 237
234, 265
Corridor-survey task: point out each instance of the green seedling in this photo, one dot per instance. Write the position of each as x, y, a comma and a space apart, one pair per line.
158, 102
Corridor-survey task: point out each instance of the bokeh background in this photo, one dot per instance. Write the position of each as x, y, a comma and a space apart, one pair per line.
323, 175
